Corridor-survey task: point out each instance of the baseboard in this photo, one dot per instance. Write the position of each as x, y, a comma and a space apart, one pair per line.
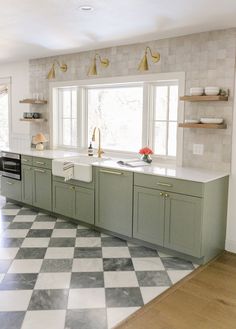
231, 246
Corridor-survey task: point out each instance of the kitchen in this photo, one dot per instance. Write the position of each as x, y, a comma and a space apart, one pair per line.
175, 217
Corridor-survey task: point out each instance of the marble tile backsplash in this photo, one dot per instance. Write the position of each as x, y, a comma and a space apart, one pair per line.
206, 58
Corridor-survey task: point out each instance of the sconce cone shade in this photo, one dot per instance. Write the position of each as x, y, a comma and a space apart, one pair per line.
51, 73
143, 66
93, 68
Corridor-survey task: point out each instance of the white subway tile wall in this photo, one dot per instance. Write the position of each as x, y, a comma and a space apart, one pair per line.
207, 58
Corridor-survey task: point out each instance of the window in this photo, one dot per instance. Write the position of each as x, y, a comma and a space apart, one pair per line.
164, 139
4, 117
67, 118
143, 111
118, 112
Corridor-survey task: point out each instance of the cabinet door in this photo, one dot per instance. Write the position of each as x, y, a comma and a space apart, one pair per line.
27, 184
42, 188
148, 222
114, 196
84, 205
183, 220
63, 199
11, 188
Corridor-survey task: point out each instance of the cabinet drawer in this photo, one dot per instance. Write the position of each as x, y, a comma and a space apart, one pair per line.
42, 163
169, 184
11, 188
26, 159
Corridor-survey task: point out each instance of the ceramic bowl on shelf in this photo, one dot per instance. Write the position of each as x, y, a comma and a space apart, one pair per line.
212, 91
212, 120
196, 91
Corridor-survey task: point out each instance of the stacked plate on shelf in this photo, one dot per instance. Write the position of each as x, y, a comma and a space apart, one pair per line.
212, 120
196, 91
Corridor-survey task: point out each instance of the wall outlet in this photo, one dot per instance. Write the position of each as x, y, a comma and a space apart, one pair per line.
198, 149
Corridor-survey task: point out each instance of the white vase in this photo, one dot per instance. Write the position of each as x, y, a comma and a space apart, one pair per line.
39, 147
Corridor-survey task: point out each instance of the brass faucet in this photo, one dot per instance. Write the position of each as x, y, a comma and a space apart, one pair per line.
100, 151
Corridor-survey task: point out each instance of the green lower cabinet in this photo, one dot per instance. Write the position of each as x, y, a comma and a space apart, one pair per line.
27, 184
183, 223
148, 224
73, 201
63, 199
11, 188
84, 205
42, 188
114, 200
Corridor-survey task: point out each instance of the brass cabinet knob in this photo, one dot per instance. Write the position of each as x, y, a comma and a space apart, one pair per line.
161, 194
166, 195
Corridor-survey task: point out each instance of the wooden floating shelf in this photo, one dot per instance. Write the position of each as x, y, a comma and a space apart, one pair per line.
203, 98
203, 125
33, 120
33, 101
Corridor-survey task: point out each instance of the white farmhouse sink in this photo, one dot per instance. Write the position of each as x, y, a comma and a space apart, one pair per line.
81, 167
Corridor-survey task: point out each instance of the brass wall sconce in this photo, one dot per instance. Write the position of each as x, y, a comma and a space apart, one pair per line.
143, 66
93, 68
52, 74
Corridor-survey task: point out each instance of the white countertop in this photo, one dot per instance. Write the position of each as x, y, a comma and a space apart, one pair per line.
186, 173
164, 170
49, 154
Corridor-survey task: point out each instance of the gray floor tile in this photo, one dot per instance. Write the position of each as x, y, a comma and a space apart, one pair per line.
21, 281
113, 242
123, 297
153, 278
11, 320
11, 242
55, 299
93, 252
45, 218
65, 225
142, 252
174, 263
118, 264
87, 280
87, 233
6, 218
57, 265
27, 211
86, 319
62, 242
20, 225
31, 253
39, 233
10, 205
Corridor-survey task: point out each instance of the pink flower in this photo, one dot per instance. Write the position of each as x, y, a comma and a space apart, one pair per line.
146, 150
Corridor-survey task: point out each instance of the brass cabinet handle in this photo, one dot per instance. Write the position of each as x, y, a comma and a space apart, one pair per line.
111, 172
72, 188
25, 160
166, 195
40, 162
161, 194
40, 170
9, 183
164, 184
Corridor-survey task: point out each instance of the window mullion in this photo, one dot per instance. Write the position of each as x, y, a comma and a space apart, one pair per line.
167, 123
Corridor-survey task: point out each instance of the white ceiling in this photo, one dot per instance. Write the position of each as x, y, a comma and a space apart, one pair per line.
39, 28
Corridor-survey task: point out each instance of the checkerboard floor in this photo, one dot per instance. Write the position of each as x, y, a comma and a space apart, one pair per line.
55, 274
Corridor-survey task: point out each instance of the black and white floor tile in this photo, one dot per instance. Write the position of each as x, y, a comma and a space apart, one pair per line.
55, 274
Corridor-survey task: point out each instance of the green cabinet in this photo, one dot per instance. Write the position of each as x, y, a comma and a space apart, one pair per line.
114, 199
170, 220
11, 188
149, 215
36, 186
73, 201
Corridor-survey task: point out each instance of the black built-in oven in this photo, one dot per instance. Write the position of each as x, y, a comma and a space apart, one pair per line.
11, 165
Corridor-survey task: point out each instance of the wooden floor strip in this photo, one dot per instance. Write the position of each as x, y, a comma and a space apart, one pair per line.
206, 299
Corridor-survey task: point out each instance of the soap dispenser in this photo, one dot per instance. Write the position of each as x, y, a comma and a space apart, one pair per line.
90, 150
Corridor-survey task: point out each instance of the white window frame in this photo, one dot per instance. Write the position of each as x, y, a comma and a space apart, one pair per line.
147, 80
8, 82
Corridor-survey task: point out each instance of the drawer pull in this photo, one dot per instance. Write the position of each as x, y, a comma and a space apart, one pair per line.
166, 195
111, 172
40, 162
161, 194
25, 160
164, 184
9, 183
72, 188
40, 170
